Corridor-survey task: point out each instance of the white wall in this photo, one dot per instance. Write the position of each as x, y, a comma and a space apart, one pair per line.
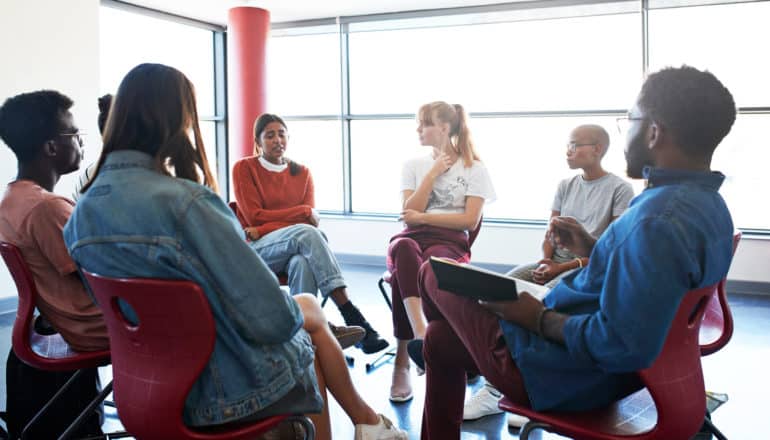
505, 244
50, 44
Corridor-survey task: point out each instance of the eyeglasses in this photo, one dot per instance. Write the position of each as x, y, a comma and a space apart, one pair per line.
573, 146
624, 122
78, 136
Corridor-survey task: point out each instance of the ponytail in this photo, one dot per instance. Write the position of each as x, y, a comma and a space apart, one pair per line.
460, 135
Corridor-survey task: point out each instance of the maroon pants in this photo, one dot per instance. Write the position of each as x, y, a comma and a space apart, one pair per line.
407, 251
461, 336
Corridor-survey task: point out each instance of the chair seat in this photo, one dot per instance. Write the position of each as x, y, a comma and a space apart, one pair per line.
634, 415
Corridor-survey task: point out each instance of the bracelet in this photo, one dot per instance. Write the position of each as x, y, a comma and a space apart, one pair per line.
539, 321
580, 262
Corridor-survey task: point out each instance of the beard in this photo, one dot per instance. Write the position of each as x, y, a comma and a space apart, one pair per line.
638, 156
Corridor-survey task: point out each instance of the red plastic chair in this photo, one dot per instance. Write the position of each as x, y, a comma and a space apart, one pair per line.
717, 326
156, 362
673, 404
46, 352
387, 277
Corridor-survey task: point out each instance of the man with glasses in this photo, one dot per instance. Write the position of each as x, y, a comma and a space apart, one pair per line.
581, 348
594, 198
38, 127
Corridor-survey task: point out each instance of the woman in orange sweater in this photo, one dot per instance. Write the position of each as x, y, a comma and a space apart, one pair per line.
276, 206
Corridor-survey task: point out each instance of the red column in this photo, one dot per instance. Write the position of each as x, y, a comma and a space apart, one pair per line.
247, 33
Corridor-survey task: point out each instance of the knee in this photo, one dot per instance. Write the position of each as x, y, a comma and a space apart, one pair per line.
400, 246
308, 234
311, 310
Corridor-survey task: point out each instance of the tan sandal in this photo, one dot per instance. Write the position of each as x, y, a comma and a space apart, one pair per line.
401, 387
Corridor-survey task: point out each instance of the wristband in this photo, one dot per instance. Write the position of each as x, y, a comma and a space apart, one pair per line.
580, 262
539, 321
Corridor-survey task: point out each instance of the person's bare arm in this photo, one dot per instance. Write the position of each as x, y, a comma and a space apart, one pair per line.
418, 199
465, 221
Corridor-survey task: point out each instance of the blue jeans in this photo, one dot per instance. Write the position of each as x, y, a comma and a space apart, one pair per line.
302, 252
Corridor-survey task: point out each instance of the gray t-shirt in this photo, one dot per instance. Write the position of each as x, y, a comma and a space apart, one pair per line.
593, 203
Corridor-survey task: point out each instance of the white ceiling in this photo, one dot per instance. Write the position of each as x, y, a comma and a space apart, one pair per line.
215, 11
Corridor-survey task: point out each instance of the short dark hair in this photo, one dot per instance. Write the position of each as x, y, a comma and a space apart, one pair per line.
693, 105
28, 120
104, 102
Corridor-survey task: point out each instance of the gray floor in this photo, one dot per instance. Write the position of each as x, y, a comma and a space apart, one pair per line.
737, 370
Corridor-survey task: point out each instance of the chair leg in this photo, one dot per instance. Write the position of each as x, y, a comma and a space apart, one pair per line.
306, 423
713, 429
381, 360
531, 426
86, 412
381, 285
48, 405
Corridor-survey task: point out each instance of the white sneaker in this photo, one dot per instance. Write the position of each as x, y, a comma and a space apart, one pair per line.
483, 403
516, 421
384, 430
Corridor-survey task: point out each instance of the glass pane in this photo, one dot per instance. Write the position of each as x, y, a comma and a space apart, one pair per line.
128, 39
725, 39
743, 158
318, 145
526, 158
378, 151
304, 75
557, 64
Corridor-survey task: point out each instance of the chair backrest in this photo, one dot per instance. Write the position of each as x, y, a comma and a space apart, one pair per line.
717, 327
675, 379
475, 232
52, 353
155, 362
234, 207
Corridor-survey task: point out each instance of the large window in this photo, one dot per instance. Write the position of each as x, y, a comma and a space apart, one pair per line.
304, 84
527, 75
128, 39
725, 39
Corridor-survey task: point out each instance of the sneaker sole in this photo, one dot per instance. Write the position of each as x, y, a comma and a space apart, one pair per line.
481, 416
401, 399
349, 339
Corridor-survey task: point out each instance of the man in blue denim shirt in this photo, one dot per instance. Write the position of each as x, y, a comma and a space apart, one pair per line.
581, 347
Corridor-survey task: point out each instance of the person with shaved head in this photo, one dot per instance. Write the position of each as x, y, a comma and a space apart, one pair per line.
595, 198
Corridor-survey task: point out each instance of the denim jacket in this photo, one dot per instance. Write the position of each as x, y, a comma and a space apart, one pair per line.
676, 236
136, 222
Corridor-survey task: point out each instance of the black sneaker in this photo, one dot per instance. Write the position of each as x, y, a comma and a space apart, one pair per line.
372, 342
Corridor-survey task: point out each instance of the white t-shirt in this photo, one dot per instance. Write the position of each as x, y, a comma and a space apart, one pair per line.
451, 188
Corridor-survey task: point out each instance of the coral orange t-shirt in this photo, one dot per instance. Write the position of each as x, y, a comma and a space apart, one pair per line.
32, 219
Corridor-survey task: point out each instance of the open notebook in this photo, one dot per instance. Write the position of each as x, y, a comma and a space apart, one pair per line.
477, 283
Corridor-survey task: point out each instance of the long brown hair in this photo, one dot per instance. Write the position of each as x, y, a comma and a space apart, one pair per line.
152, 111
259, 126
459, 133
